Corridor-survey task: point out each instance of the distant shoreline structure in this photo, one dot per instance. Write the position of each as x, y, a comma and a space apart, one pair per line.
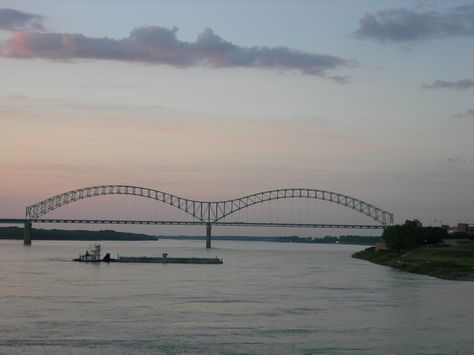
61, 234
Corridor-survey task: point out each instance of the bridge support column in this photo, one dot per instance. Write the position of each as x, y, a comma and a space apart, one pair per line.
208, 235
27, 233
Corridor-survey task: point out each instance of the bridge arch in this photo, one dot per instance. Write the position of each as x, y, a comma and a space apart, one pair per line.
208, 211
226, 208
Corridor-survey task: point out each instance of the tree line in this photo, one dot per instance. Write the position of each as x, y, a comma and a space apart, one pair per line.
412, 234
61, 234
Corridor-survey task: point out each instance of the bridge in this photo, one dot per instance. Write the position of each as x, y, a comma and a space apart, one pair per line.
206, 213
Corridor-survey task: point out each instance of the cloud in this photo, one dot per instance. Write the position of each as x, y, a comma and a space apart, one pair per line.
14, 20
158, 45
460, 160
469, 113
402, 25
456, 160
463, 84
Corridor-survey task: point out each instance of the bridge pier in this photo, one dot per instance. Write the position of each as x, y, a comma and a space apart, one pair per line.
208, 235
27, 233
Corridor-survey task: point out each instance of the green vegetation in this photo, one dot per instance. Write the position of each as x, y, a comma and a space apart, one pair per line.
412, 235
454, 263
349, 239
417, 249
59, 234
377, 257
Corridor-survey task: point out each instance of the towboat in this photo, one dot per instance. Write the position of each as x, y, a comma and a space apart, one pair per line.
91, 255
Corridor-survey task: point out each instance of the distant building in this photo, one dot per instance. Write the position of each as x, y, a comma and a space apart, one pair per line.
465, 228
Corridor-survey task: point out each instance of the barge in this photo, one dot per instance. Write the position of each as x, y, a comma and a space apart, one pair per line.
93, 255
166, 260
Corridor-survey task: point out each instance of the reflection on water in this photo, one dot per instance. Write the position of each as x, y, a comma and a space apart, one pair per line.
265, 298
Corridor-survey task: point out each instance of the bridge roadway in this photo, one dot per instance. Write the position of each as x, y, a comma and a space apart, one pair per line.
193, 223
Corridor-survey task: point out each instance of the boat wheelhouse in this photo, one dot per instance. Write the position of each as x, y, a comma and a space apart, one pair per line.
93, 254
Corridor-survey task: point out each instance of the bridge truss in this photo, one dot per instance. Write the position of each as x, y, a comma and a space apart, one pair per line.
209, 212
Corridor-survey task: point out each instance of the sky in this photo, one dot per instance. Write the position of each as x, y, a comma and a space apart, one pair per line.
214, 100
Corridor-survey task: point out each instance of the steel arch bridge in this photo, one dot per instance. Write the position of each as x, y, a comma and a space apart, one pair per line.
204, 212
209, 211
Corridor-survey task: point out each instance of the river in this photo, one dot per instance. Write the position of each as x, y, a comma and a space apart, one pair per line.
267, 298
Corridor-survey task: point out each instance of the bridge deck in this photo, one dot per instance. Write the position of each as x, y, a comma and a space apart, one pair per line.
192, 223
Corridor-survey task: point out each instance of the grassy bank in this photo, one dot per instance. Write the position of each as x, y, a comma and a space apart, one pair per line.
452, 263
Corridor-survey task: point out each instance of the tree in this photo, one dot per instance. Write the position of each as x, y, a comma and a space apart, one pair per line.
411, 235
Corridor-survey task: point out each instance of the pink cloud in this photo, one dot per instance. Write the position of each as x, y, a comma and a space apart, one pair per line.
158, 45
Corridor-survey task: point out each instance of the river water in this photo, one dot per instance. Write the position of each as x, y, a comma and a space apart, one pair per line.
267, 298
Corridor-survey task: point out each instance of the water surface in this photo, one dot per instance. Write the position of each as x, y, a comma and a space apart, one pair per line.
267, 298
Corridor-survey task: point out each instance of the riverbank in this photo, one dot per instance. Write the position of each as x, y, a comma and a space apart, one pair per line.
450, 263
60, 234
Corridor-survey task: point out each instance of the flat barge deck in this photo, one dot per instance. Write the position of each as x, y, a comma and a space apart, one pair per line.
166, 260
93, 256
